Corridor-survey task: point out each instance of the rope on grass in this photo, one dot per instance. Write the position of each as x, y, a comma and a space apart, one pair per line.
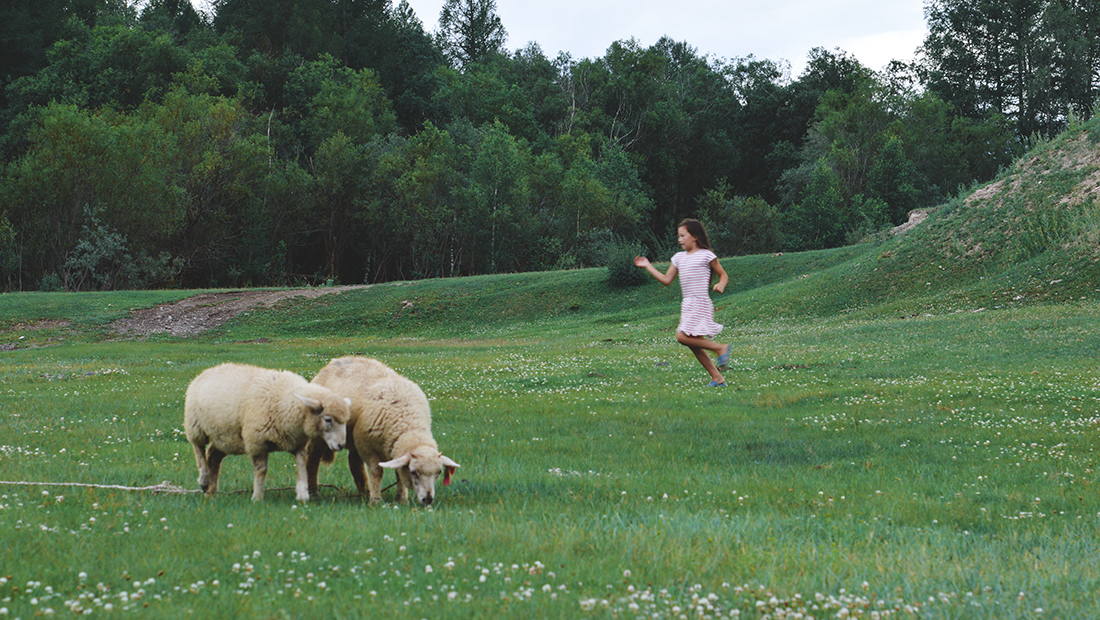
163, 487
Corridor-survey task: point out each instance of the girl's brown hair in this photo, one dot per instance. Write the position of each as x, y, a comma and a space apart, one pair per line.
695, 229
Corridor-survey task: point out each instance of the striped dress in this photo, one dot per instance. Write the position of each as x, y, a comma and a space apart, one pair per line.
696, 309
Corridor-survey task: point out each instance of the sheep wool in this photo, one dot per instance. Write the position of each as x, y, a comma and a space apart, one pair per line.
243, 409
390, 427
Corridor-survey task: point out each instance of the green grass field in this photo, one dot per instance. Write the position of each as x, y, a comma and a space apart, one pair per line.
910, 431
940, 465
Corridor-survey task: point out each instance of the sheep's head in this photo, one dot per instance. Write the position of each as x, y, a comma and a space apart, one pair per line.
424, 465
328, 417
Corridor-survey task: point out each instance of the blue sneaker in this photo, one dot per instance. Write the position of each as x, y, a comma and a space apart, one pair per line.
723, 360
716, 384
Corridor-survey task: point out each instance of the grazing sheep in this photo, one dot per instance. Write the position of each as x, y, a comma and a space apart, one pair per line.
242, 409
345, 375
390, 427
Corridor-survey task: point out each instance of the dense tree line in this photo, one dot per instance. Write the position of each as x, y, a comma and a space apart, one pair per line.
285, 141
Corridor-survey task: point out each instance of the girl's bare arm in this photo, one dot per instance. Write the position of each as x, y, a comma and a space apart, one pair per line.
723, 278
664, 278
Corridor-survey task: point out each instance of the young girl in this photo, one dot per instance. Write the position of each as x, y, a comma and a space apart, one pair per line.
695, 265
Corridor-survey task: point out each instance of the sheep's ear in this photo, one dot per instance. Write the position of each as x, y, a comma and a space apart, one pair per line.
400, 461
449, 468
314, 405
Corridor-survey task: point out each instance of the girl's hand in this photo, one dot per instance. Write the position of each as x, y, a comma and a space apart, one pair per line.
641, 261
719, 288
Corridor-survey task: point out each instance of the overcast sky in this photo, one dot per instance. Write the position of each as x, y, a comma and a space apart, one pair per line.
874, 31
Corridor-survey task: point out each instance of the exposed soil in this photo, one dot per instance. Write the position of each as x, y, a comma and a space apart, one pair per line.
916, 216
197, 314
41, 324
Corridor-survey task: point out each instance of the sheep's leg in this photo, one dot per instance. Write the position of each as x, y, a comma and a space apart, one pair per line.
204, 469
259, 474
355, 466
313, 464
302, 488
374, 479
404, 483
214, 458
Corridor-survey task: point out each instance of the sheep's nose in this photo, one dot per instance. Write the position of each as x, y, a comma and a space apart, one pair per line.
427, 501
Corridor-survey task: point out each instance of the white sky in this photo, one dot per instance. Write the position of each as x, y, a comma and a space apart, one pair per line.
874, 31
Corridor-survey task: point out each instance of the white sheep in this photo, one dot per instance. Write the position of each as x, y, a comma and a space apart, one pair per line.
242, 409
390, 427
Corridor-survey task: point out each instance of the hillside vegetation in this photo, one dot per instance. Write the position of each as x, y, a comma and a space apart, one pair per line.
1030, 236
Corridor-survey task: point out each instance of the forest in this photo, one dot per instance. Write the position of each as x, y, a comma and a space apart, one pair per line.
289, 142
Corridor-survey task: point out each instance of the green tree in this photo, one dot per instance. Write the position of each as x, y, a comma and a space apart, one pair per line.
277, 27
117, 66
498, 182
1029, 60
470, 30
340, 172
324, 97
821, 217
392, 41
9, 256
421, 216
118, 165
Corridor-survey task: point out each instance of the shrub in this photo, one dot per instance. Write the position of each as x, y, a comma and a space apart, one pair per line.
51, 283
621, 271
101, 260
738, 225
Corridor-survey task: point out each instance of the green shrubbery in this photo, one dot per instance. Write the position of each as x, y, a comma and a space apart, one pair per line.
620, 264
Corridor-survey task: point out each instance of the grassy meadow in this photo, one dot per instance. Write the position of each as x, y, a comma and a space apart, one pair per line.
917, 464
909, 431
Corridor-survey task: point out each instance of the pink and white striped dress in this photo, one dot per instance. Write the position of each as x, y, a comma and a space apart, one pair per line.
696, 309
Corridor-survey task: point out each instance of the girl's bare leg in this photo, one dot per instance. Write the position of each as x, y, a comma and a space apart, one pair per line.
704, 359
699, 343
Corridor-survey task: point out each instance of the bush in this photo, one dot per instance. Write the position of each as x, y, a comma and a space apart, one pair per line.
621, 271
51, 283
867, 217
738, 225
101, 260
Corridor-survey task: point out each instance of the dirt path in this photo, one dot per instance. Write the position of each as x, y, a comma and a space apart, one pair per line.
197, 314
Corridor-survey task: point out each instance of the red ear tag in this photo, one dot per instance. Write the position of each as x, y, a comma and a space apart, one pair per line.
447, 475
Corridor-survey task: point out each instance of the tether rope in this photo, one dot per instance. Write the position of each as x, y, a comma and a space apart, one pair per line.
163, 487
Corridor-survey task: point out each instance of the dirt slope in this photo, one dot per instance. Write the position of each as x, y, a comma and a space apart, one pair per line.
197, 314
